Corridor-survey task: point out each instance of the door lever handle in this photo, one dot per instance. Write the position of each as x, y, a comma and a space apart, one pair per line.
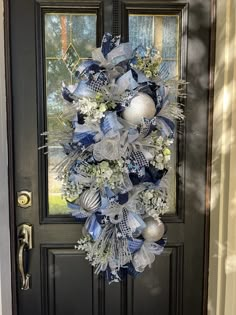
25, 243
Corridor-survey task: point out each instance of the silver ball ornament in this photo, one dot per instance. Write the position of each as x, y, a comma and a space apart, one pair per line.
141, 106
154, 230
90, 200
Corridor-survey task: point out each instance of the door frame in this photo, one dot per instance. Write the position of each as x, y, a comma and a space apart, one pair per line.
10, 128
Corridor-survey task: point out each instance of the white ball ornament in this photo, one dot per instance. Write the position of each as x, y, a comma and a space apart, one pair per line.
141, 106
154, 230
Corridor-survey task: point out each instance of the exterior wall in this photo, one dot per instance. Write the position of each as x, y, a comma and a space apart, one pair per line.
5, 275
222, 276
222, 273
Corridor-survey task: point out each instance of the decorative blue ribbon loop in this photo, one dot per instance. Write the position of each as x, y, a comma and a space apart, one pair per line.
77, 212
109, 193
111, 277
135, 244
84, 138
87, 67
107, 44
152, 175
136, 220
104, 203
67, 95
123, 198
73, 206
167, 125
93, 227
83, 90
110, 124
162, 242
131, 270
162, 97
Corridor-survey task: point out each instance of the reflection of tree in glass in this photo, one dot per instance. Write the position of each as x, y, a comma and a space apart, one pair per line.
53, 45
141, 30
57, 72
170, 27
83, 34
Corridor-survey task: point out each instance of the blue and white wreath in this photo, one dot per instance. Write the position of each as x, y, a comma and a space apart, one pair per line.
117, 135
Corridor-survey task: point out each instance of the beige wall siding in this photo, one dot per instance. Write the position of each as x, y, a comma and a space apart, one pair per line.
222, 277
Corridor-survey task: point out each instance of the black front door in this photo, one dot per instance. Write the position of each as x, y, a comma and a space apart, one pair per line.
48, 39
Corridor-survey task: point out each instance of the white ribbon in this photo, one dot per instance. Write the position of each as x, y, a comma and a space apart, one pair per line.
146, 255
107, 149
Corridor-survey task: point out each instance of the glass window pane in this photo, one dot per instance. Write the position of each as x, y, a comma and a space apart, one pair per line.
161, 32
69, 38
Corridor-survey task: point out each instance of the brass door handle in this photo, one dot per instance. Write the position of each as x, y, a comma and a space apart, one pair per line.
25, 240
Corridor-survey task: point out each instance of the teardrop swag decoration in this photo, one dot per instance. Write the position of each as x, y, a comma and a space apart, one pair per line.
117, 130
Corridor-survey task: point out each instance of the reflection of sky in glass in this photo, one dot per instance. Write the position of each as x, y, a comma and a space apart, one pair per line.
69, 38
160, 32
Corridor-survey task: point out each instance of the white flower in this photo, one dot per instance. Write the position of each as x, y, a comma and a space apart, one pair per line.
148, 195
93, 110
108, 173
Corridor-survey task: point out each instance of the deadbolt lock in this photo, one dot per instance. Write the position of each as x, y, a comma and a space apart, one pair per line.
24, 199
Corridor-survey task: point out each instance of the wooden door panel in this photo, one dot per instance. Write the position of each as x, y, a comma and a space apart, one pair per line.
70, 285
65, 294
68, 281
163, 290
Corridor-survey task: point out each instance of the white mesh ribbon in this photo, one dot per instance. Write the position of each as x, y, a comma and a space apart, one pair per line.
126, 184
115, 56
98, 56
107, 149
146, 255
131, 140
121, 53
